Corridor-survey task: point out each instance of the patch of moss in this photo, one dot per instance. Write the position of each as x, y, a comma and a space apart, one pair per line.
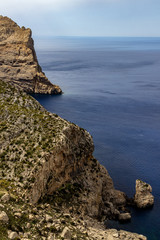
5, 184
65, 194
17, 223
3, 232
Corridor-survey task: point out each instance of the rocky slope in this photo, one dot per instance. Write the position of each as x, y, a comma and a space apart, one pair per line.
18, 61
50, 183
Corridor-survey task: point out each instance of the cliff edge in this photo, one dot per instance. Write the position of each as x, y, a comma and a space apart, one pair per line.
51, 186
18, 61
45, 153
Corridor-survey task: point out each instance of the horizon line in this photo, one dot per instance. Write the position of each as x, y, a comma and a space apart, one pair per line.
85, 36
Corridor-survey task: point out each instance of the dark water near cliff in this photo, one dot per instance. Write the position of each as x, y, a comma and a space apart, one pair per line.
112, 88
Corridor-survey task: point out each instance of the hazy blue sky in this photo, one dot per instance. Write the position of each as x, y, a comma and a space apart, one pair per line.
86, 17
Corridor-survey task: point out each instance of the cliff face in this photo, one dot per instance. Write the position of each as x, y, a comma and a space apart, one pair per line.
46, 153
48, 176
51, 186
18, 61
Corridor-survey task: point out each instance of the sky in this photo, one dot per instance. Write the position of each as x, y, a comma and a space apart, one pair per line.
138, 18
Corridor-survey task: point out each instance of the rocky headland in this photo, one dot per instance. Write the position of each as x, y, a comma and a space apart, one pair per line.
49, 179
51, 186
18, 60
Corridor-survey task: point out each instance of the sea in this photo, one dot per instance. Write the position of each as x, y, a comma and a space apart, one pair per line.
111, 87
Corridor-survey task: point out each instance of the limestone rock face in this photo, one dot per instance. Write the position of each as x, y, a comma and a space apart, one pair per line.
47, 155
47, 167
18, 61
143, 197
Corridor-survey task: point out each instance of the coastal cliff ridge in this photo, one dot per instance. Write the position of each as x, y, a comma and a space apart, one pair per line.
18, 60
49, 178
51, 186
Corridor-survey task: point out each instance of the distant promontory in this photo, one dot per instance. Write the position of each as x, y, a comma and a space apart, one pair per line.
18, 60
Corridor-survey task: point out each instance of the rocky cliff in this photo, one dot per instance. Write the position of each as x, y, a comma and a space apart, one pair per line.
45, 153
50, 183
18, 61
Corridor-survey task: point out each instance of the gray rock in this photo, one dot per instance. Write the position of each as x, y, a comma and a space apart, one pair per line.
66, 234
31, 217
115, 235
25, 235
48, 218
12, 235
123, 217
3, 217
18, 214
5, 197
28, 225
50, 237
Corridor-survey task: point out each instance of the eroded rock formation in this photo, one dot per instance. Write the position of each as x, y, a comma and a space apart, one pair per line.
18, 61
143, 197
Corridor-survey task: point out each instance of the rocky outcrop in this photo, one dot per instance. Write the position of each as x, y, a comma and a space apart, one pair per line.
46, 153
18, 61
43, 221
143, 197
124, 217
3, 217
48, 173
113, 234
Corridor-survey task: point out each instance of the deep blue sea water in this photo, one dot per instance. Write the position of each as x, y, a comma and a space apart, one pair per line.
112, 88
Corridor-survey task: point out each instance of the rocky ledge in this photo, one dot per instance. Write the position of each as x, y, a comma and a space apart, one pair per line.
18, 61
50, 183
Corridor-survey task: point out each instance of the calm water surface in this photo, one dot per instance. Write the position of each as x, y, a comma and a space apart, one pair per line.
112, 88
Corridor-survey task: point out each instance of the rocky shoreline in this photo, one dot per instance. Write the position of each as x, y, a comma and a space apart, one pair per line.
51, 186
47, 168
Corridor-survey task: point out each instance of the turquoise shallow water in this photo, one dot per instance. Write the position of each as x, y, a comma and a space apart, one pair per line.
112, 88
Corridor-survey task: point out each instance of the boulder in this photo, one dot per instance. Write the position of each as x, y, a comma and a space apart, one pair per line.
48, 218
13, 235
124, 217
51, 237
5, 197
3, 217
66, 234
143, 197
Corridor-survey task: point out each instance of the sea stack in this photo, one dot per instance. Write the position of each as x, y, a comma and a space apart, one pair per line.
18, 60
143, 197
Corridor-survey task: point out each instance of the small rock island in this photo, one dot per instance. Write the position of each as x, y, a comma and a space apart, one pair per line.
143, 197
